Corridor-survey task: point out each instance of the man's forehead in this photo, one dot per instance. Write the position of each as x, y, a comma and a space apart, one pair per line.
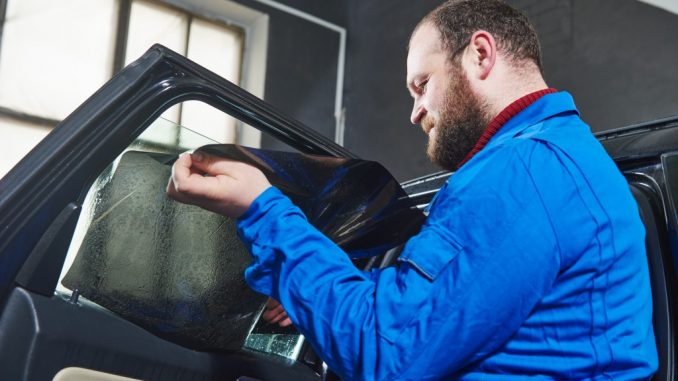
424, 45
426, 39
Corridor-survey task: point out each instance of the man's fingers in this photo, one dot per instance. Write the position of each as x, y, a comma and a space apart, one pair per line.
214, 166
279, 318
181, 168
183, 176
188, 181
180, 174
216, 184
275, 313
271, 303
270, 314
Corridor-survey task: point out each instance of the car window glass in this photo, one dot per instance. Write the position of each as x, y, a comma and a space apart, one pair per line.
177, 270
172, 268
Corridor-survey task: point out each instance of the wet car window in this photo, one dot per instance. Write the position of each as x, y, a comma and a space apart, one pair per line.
177, 270
173, 269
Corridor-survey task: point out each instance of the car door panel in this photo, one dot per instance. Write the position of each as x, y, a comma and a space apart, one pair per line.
45, 199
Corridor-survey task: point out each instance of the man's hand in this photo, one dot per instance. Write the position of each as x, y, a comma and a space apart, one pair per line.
275, 313
223, 186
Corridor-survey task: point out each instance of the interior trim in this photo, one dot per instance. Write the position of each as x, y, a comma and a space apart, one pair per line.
82, 374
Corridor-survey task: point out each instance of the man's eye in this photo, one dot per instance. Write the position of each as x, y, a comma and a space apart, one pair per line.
422, 86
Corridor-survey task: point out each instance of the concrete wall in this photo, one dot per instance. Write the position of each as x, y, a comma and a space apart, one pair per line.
617, 57
301, 69
377, 103
619, 62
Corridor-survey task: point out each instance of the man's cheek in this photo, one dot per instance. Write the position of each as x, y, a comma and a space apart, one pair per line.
432, 135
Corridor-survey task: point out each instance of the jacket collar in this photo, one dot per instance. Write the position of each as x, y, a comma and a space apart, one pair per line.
546, 107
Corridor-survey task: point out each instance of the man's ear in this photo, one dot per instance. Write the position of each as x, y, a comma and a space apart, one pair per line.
483, 54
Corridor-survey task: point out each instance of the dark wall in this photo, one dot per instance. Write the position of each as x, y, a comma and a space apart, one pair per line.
617, 57
301, 68
377, 103
620, 63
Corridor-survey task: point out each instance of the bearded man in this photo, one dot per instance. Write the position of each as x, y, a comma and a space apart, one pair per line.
531, 262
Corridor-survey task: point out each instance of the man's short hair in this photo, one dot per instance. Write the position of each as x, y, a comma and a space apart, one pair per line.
457, 20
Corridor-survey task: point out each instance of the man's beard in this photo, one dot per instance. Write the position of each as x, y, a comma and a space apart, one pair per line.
463, 119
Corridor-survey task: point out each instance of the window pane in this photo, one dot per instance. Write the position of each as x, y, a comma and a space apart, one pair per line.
219, 49
17, 139
174, 269
55, 54
155, 24
149, 141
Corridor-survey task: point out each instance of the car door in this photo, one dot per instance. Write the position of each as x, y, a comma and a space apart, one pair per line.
88, 284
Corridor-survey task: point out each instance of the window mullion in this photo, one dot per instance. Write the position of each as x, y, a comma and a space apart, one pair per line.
3, 14
122, 33
24, 117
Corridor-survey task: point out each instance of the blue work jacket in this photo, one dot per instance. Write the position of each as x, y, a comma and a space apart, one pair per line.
531, 264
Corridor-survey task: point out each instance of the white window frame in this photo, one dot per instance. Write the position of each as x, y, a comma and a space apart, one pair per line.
255, 25
668, 5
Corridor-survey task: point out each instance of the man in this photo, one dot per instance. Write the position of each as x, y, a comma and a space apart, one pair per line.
531, 262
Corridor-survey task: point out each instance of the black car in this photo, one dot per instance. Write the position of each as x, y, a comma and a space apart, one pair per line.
153, 290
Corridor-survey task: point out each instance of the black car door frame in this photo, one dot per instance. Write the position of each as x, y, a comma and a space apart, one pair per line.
49, 183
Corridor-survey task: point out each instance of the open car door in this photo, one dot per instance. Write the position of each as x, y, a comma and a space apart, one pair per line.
102, 276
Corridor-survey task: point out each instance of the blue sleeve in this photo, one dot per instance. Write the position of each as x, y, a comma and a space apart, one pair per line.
460, 289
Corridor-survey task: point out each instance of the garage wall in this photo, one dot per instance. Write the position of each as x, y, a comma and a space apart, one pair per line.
620, 62
301, 69
617, 57
377, 103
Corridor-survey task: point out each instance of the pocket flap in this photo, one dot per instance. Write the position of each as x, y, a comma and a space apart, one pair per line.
429, 253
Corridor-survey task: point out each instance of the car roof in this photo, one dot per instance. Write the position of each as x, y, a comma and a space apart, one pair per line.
643, 140
625, 145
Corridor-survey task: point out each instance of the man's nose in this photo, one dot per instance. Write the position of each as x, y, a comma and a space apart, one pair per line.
418, 112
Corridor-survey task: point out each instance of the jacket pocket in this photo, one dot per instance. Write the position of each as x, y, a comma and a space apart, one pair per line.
429, 253
409, 297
